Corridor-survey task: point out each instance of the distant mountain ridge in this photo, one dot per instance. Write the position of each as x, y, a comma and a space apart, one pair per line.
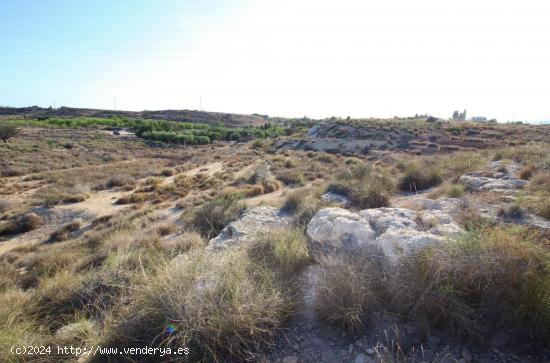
228, 119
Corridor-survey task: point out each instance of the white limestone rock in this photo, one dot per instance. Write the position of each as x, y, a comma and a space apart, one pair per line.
246, 228
336, 230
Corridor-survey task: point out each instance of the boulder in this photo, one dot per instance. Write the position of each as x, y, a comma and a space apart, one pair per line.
501, 178
388, 233
383, 218
339, 199
335, 231
397, 243
496, 184
245, 229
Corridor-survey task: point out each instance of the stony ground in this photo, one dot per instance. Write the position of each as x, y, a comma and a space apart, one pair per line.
305, 339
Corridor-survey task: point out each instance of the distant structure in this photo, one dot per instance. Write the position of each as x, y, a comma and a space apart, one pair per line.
459, 116
480, 119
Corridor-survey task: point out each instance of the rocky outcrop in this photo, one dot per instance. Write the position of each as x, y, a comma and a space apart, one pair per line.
387, 232
337, 231
501, 177
244, 229
336, 199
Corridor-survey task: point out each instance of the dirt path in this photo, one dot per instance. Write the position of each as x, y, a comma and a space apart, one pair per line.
99, 203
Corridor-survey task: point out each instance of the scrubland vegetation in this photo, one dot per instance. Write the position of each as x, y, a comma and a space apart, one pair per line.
136, 270
165, 131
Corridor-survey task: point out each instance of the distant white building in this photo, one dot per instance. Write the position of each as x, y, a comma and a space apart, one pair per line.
479, 119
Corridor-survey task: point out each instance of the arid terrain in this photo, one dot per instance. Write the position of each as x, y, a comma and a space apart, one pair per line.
250, 238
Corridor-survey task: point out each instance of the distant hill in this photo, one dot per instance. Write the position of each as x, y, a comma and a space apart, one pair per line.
228, 119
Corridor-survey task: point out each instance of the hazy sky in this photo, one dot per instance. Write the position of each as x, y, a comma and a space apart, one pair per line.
281, 57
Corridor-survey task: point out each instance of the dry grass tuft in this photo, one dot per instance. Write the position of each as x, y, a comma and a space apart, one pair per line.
166, 229
527, 171
491, 279
543, 209
185, 242
417, 178
284, 250
363, 187
22, 223
347, 293
302, 207
211, 217
222, 307
65, 232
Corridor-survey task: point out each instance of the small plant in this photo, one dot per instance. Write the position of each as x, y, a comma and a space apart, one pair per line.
514, 211
346, 293
293, 177
22, 223
120, 181
527, 172
223, 307
166, 172
210, 218
7, 131
165, 229
371, 192
302, 207
488, 280
283, 250
543, 209
63, 233
417, 178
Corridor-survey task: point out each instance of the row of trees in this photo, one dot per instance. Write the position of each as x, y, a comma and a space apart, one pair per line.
190, 133
172, 131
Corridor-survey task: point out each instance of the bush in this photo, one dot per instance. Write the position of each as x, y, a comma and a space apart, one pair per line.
58, 298
527, 171
63, 233
543, 209
7, 131
222, 307
292, 177
487, 281
166, 172
293, 202
540, 182
183, 243
370, 192
514, 211
302, 207
165, 229
283, 250
455, 191
56, 195
22, 223
346, 293
418, 178
120, 181
210, 218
